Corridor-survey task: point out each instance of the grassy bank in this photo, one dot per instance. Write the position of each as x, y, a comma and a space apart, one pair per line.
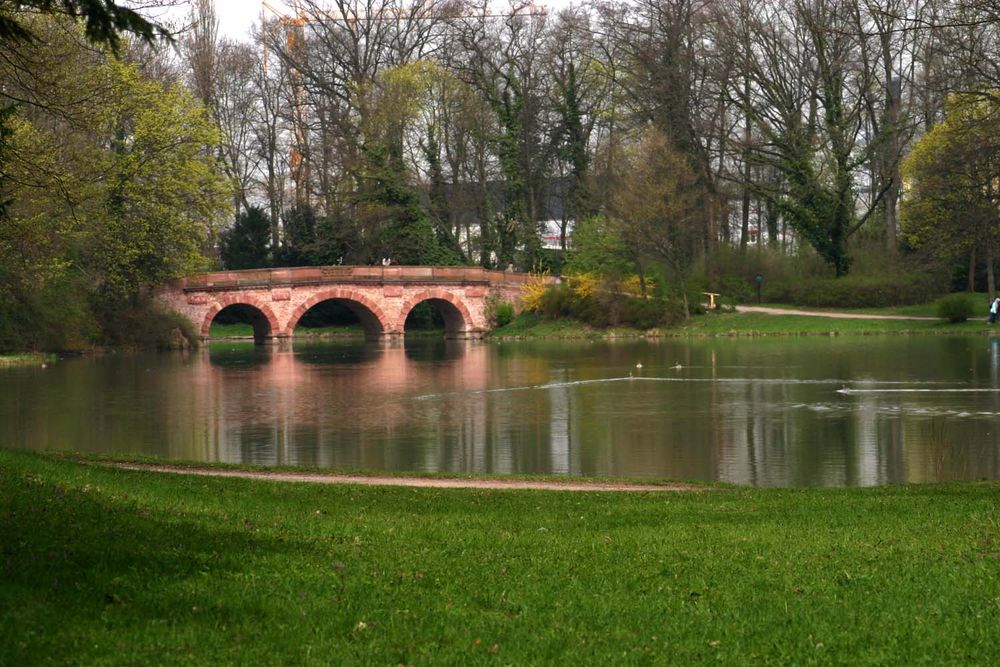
104, 566
243, 330
762, 324
530, 325
26, 359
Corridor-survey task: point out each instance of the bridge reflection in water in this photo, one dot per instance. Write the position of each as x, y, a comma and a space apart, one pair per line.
775, 412
463, 406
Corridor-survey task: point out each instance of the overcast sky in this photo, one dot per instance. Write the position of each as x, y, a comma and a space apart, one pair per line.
236, 16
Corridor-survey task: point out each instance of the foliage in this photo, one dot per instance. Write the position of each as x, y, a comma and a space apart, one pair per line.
603, 302
533, 290
952, 204
104, 20
120, 194
498, 312
598, 248
246, 244
657, 208
394, 221
140, 323
162, 184
854, 291
424, 317
956, 307
298, 234
52, 316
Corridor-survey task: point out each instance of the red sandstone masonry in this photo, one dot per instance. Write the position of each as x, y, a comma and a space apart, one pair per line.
381, 296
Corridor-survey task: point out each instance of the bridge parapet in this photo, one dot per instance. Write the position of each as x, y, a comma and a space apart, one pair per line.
321, 275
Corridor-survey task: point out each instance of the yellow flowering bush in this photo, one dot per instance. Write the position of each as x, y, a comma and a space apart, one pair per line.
583, 285
533, 292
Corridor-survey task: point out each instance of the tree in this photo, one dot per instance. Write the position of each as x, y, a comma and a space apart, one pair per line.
805, 99
655, 208
246, 244
164, 192
502, 63
104, 21
298, 236
952, 203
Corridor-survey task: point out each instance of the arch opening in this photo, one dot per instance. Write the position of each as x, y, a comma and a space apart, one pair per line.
434, 317
240, 320
330, 318
338, 316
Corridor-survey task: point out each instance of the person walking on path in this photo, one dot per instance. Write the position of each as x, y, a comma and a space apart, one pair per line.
994, 310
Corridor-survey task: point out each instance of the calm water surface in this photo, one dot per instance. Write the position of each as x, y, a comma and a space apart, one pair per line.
841, 411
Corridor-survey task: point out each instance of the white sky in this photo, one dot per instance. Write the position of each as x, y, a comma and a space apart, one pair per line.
237, 16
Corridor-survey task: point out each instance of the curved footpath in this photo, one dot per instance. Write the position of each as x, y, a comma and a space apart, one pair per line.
822, 313
419, 482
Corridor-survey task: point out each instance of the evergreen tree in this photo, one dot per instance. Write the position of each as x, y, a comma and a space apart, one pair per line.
246, 244
298, 236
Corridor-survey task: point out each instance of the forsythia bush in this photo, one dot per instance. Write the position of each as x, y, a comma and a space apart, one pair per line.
600, 302
533, 292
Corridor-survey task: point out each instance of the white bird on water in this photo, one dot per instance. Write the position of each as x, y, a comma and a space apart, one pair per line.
639, 365
677, 366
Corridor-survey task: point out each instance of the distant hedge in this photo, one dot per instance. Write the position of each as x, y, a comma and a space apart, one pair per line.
855, 291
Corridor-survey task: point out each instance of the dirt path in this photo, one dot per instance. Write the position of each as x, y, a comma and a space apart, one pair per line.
419, 482
820, 313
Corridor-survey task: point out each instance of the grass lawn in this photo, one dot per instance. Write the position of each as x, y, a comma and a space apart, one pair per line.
980, 299
532, 325
104, 566
26, 359
750, 324
243, 330
529, 325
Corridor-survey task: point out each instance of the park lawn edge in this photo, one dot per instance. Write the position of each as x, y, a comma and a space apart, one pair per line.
26, 359
740, 325
109, 566
105, 459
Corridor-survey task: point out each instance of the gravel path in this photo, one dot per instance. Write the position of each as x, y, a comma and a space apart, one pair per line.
820, 313
420, 482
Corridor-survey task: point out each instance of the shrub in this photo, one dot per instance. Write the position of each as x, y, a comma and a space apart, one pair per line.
499, 313
533, 291
650, 313
854, 291
956, 307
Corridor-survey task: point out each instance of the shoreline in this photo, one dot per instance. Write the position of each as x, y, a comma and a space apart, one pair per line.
424, 482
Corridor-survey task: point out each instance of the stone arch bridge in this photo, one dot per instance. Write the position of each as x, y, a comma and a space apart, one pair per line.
381, 297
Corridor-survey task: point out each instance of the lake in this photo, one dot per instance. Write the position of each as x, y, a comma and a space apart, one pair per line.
789, 411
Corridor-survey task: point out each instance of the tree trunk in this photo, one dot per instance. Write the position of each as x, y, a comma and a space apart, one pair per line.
991, 285
745, 220
971, 284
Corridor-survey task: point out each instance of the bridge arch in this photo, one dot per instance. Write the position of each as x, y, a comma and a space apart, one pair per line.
457, 318
265, 323
369, 313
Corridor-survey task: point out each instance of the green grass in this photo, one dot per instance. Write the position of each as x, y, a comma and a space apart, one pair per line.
918, 310
762, 324
532, 325
243, 330
26, 359
529, 325
105, 566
